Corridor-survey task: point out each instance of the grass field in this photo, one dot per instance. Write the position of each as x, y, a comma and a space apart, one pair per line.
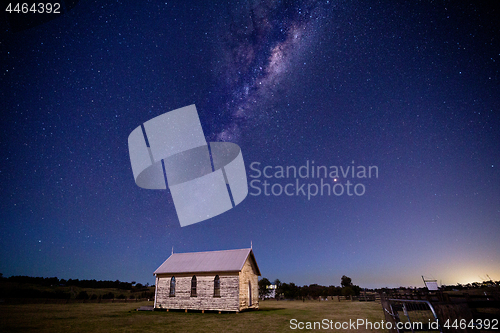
273, 316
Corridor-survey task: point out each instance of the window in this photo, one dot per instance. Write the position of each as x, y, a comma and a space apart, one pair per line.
249, 293
172, 286
216, 286
193, 286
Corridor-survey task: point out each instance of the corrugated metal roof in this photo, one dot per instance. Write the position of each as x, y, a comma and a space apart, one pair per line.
213, 261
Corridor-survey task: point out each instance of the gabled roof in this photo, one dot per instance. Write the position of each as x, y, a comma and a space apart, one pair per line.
213, 261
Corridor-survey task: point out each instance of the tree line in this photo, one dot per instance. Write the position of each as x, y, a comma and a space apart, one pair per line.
292, 291
54, 288
54, 281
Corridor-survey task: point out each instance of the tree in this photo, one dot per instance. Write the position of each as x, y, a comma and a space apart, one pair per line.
263, 283
278, 285
290, 290
356, 289
349, 289
345, 281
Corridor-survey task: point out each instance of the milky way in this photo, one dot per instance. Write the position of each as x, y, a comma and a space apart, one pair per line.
260, 46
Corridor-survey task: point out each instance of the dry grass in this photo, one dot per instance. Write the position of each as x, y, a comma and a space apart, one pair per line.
273, 316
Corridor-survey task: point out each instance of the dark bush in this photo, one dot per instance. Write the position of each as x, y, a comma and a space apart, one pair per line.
109, 295
82, 295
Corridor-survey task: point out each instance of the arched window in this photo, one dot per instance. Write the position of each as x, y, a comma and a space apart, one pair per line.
172, 286
216, 286
193, 286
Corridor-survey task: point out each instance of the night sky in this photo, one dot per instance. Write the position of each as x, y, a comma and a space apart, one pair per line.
412, 88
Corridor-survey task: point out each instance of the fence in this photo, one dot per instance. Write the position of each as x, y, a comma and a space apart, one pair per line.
441, 312
410, 315
363, 297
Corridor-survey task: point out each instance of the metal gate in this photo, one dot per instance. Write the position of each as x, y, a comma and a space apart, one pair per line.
411, 315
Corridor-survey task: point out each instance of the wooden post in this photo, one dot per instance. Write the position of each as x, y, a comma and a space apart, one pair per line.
202, 311
186, 310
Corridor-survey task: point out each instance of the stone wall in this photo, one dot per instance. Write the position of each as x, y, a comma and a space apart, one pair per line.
204, 300
247, 274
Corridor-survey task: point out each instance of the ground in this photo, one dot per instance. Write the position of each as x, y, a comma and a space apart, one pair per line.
273, 316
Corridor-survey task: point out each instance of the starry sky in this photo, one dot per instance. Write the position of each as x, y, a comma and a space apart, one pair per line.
411, 88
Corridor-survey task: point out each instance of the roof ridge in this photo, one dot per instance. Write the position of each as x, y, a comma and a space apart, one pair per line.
214, 251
